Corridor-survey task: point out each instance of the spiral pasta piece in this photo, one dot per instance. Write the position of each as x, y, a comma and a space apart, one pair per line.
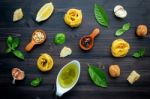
73, 17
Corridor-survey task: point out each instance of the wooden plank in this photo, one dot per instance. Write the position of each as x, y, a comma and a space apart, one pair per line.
138, 13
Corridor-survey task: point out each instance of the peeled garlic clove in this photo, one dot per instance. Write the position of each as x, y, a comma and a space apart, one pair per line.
120, 12
65, 52
118, 7
18, 15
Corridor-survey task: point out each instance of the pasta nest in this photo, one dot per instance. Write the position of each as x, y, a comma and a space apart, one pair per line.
120, 48
73, 17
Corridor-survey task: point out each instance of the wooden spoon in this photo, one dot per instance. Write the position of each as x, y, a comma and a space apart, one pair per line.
33, 42
87, 42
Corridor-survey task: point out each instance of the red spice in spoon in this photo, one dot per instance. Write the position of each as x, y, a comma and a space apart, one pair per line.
87, 42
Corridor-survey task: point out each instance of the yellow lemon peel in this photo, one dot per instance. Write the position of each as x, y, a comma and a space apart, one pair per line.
45, 62
73, 17
120, 48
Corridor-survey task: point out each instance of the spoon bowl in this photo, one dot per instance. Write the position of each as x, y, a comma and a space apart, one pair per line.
87, 42
60, 90
90, 43
33, 41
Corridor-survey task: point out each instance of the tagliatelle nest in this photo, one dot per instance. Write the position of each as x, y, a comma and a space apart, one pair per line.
45, 62
120, 48
73, 17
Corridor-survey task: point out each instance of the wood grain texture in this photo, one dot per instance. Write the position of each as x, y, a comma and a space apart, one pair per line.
138, 13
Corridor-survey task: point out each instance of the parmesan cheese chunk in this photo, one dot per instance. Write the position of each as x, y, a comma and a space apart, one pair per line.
134, 76
65, 52
18, 15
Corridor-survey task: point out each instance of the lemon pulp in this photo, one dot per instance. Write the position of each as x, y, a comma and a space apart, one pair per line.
68, 76
45, 12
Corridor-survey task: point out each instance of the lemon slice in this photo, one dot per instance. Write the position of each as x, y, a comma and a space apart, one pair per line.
45, 12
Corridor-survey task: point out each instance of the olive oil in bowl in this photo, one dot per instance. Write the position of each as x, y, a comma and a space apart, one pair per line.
67, 77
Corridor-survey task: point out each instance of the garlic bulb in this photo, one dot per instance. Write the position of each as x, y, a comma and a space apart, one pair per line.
120, 12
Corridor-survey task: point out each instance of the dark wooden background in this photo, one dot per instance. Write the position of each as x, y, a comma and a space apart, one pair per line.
138, 13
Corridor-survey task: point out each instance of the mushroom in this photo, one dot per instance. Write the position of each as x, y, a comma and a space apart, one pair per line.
120, 12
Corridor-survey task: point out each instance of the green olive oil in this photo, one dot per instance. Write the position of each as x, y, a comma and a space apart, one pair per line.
68, 76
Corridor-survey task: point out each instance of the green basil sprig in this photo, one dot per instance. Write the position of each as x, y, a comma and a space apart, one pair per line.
12, 44
101, 16
36, 82
97, 76
139, 53
122, 30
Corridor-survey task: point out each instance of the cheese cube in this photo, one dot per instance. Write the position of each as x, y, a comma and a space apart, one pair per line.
18, 15
134, 76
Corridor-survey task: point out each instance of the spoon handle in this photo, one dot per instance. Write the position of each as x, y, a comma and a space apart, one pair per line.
30, 46
95, 32
54, 93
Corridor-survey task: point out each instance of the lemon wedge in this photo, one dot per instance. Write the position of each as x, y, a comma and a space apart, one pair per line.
45, 12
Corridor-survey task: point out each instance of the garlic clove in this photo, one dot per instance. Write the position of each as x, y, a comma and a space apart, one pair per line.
118, 7
65, 52
121, 13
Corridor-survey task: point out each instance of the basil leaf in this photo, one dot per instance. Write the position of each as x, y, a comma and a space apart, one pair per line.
15, 43
36, 82
60, 38
139, 53
18, 54
101, 16
9, 41
8, 50
119, 32
136, 55
122, 30
126, 26
142, 52
97, 76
